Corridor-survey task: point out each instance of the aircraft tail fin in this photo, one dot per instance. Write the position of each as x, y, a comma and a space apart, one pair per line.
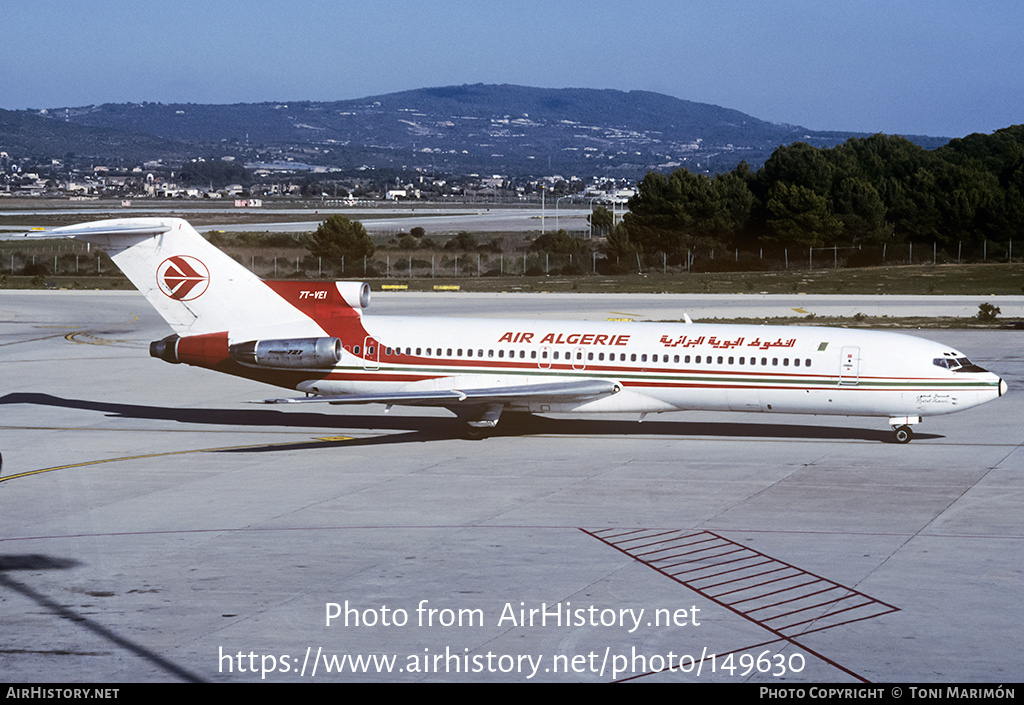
195, 287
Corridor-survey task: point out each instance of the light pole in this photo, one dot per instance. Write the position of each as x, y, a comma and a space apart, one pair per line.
556, 209
542, 188
590, 220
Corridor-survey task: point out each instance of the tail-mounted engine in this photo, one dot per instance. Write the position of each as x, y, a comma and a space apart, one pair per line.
212, 349
207, 350
289, 353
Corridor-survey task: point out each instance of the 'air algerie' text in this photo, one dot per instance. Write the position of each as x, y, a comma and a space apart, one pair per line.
566, 339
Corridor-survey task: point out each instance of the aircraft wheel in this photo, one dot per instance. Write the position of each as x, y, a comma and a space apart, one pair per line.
903, 434
476, 433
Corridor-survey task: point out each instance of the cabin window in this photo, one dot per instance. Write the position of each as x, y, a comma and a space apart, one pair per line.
719, 359
533, 354
775, 362
419, 351
479, 353
449, 353
697, 360
387, 351
590, 356
632, 358
687, 359
675, 359
355, 349
731, 360
807, 362
600, 356
369, 350
490, 353
796, 362
501, 353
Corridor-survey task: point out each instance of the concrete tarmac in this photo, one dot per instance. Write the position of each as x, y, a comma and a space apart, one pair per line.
155, 528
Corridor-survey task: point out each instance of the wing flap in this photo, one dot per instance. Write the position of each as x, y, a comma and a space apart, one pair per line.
581, 390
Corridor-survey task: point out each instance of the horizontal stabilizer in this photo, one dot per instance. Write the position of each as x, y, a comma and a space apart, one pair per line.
555, 392
87, 230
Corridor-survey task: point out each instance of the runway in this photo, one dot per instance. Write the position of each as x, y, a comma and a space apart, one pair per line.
157, 528
446, 220
434, 222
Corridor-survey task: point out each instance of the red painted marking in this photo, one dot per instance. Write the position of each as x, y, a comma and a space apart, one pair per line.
203, 350
183, 277
855, 605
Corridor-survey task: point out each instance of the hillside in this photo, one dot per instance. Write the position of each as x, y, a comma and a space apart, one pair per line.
27, 133
500, 129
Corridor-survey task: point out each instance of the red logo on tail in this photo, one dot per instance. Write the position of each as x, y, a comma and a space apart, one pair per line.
183, 277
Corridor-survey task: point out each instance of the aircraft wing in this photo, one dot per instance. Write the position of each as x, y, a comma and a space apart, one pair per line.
556, 392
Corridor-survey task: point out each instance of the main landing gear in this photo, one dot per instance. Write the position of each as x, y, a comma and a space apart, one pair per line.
479, 421
903, 434
901, 431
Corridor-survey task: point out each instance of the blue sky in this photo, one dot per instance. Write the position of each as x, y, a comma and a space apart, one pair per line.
940, 67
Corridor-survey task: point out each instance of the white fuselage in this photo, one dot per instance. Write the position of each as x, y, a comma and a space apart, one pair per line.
664, 366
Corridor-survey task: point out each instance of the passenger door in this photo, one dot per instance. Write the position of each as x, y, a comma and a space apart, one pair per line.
849, 366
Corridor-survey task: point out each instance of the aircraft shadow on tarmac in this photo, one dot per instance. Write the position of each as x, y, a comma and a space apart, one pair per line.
423, 429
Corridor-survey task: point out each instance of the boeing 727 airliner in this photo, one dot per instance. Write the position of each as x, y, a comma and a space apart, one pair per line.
313, 337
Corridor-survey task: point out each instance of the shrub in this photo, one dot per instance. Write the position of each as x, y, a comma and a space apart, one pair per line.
988, 312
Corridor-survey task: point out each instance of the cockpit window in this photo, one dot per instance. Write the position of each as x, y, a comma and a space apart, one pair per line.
957, 364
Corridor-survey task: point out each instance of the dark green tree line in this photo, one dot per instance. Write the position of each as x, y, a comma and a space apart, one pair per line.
866, 192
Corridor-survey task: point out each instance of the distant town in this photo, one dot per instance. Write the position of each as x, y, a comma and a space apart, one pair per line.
53, 178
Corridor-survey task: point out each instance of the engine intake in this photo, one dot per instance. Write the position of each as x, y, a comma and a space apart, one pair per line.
288, 353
